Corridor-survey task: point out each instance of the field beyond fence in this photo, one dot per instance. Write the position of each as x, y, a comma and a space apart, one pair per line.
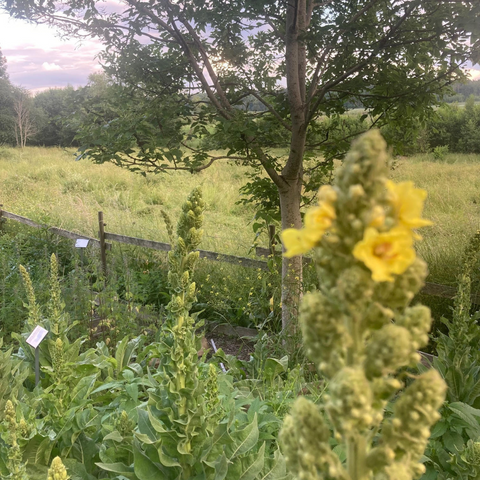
432, 289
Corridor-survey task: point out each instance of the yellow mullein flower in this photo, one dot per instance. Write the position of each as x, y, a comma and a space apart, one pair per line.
317, 221
385, 253
407, 202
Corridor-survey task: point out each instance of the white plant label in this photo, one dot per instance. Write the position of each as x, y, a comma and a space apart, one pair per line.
81, 243
37, 336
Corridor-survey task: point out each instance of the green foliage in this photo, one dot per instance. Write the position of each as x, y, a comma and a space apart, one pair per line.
450, 451
456, 128
55, 108
128, 411
11, 378
7, 135
440, 152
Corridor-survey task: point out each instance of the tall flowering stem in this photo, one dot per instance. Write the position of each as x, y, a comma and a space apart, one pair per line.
55, 305
360, 329
177, 403
34, 315
15, 463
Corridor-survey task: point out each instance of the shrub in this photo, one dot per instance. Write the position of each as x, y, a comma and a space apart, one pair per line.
439, 153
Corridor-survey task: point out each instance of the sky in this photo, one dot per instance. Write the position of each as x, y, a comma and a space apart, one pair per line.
37, 58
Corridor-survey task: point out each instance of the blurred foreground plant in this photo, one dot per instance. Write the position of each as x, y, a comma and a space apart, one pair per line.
359, 328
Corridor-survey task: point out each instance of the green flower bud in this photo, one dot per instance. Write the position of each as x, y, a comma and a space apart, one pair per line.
380, 457
389, 349
400, 292
304, 440
417, 320
355, 287
377, 316
471, 453
57, 471
324, 334
349, 402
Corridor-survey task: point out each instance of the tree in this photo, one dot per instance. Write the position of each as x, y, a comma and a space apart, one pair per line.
55, 107
6, 105
23, 121
3, 67
303, 60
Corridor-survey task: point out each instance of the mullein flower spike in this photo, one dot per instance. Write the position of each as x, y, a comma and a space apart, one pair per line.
33, 308
358, 327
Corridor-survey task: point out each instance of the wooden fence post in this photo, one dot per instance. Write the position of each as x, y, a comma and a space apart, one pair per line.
103, 246
271, 239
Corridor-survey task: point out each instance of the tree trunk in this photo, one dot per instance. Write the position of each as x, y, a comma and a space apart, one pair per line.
292, 174
291, 267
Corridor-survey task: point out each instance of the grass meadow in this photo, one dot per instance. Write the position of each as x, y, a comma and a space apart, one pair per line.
48, 186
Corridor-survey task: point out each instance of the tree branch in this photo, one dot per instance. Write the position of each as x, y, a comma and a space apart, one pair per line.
272, 110
381, 44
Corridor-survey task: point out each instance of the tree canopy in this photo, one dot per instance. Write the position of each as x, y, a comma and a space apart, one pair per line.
302, 60
7, 135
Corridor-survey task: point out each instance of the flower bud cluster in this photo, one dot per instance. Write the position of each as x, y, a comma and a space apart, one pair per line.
124, 425
414, 413
349, 402
33, 307
471, 453
58, 359
15, 464
304, 437
57, 470
359, 328
325, 337
55, 304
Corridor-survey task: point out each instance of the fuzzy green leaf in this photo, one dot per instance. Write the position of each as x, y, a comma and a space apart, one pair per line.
245, 439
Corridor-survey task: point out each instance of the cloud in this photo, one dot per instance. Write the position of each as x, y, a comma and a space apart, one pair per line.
474, 73
37, 68
38, 59
51, 66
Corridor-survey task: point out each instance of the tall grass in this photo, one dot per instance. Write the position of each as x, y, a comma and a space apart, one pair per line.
47, 185
453, 204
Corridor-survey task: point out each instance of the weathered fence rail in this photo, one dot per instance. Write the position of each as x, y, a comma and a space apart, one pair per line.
433, 289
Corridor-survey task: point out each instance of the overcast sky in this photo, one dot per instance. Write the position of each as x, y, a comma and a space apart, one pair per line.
38, 59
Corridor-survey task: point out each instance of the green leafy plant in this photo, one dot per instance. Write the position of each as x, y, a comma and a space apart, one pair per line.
440, 152
458, 362
187, 431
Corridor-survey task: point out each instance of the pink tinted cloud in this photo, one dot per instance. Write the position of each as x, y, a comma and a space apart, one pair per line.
38, 68
38, 59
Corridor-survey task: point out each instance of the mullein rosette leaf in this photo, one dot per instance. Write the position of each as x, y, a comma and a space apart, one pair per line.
359, 329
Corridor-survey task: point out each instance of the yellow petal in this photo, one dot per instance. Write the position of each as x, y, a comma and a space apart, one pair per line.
407, 203
386, 254
295, 242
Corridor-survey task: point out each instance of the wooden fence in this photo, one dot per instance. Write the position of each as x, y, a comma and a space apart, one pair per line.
433, 289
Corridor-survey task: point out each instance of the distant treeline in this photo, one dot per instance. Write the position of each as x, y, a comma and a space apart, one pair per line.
71, 117
463, 91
